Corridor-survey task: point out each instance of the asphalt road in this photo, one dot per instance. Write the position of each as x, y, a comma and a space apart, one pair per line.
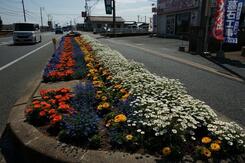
20, 67
203, 79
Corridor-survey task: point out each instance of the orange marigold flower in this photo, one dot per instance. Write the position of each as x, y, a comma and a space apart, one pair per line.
166, 151
120, 118
118, 86
106, 105
125, 97
206, 140
109, 78
52, 111
218, 142
123, 91
206, 152
215, 147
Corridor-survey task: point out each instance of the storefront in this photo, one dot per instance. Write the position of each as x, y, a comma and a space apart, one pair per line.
176, 16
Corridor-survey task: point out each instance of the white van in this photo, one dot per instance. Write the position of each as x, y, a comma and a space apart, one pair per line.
26, 33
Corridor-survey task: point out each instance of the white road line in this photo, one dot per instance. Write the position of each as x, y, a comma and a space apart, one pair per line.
24, 56
5, 43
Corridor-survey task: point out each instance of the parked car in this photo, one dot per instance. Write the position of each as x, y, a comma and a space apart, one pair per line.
26, 33
58, 30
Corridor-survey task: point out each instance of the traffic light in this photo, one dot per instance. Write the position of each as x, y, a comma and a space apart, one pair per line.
108, 6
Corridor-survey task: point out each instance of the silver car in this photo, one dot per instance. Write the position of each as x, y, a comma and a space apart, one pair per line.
26, 33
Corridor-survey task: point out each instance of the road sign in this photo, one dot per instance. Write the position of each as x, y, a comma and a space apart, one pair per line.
84, 14
108, 6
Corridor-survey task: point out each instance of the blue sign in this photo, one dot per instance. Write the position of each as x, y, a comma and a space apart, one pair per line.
232, 16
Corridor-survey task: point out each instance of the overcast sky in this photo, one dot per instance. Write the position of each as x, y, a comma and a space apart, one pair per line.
63, 11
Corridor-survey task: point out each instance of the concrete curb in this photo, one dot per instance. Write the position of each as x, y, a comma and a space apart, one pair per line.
36, 147
224, 67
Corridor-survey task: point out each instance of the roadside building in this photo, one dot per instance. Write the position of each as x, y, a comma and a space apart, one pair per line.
144, 26
174, 17
186, 19
102, 23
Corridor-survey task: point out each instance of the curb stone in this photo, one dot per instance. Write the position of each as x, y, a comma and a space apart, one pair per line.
225, 67
36, 147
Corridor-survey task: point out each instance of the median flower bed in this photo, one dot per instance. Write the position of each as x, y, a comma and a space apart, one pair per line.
121, 105
66, 63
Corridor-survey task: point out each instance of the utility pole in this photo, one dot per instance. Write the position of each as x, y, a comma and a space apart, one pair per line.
41, 8
24, 11
114, 17
207, 17
145, 19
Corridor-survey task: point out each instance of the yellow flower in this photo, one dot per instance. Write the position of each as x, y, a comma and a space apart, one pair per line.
120, 118
99, 107
125, 97
206, 152
166, 151
106, 105
109, 78
123, 90
118, 86
215, 147
129, 137
95, 78
218, 142
99, 92
104, 98
206, 140
97, 96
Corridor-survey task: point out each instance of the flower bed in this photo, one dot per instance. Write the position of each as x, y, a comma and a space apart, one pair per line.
123, 106
67, 62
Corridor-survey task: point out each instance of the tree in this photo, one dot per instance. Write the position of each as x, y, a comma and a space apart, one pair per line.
1, 23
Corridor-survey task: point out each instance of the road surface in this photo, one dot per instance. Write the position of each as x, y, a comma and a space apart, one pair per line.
20, 67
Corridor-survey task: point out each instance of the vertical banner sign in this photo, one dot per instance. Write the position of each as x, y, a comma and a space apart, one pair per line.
218, 28
108, 6
232, 17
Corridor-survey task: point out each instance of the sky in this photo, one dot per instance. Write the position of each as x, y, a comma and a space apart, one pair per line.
63, 12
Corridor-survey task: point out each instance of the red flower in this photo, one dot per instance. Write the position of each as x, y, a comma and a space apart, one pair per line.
28, 110
52, 111
37, 106
45, 97
58, 96
52, 101
42, 113
56, 118
35, 102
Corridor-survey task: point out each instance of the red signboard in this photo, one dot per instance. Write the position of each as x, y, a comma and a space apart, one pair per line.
218, 28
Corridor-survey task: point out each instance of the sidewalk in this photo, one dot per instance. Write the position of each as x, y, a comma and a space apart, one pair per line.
233, 62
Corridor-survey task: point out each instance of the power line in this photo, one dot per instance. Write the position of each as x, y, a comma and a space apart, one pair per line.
4, 8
